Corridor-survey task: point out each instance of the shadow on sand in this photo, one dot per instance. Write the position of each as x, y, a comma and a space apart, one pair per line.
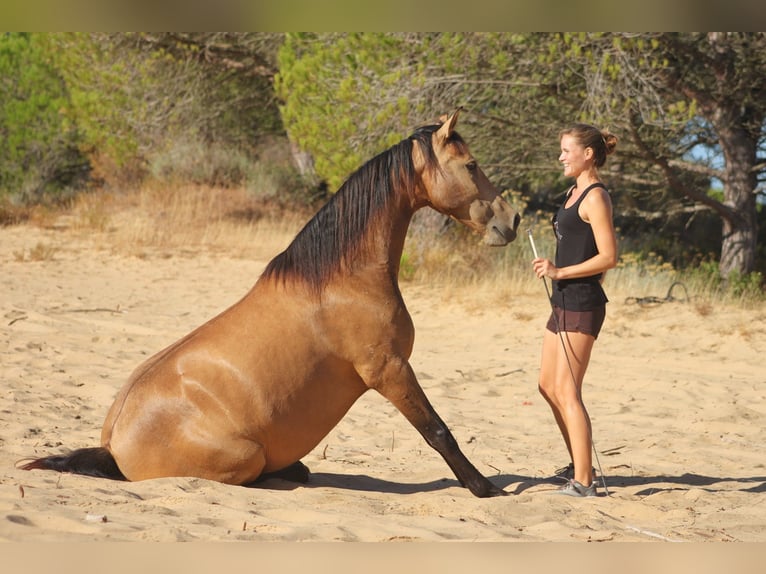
651, 484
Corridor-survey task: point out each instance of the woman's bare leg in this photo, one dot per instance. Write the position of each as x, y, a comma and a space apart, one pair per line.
565, 394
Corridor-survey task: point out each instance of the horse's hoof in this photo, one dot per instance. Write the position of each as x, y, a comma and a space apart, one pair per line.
296, 472
498, 492
489, 491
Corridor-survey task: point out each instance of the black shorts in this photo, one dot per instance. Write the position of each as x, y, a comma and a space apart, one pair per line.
587, 322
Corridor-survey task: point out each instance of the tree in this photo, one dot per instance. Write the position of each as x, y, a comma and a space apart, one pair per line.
237, 100
345, 97
135, 95
119, 105
678, 101
688, 100
124, 102
348, 96
39, 152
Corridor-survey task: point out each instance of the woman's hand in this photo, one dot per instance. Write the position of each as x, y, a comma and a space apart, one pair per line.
545, 268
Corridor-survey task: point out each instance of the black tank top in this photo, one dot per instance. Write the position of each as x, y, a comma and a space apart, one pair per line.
576, 243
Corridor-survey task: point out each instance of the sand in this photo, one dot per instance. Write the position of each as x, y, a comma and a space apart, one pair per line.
675, 391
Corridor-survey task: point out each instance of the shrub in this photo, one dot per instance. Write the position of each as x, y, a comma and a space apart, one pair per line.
39, 155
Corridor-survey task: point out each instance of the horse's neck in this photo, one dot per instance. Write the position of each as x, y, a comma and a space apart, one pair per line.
387, 237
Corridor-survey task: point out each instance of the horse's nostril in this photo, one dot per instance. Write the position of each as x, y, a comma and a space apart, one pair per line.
516, 221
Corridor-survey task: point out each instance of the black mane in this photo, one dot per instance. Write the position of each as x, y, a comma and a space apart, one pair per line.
334, 236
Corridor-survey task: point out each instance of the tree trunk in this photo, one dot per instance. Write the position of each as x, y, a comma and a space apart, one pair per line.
303, 161
740, 227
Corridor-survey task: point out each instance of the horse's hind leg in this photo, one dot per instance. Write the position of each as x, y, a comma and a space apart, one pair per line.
230, 461
296, 472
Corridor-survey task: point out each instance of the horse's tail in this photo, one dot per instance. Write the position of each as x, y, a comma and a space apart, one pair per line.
96, 461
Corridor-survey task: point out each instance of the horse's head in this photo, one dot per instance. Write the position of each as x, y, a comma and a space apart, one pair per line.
457, 186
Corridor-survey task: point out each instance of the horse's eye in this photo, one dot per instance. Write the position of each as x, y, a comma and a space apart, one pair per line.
471, 166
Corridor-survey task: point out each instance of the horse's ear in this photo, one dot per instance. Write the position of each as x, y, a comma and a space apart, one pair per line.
448, 125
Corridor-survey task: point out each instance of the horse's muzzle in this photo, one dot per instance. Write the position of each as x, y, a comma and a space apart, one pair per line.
499, 236
498, 219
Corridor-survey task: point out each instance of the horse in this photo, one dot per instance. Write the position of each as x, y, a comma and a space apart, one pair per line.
246, 395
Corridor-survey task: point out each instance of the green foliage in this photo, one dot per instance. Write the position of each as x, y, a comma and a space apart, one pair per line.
658, 92
124, 101
406, 267
663, 94
194, 162
227, 77
747, 286
137, 97
115, 107
38, 155
706, 278
198, 105
345, 97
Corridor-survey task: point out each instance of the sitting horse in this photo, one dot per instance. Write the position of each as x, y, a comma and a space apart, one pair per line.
250, 392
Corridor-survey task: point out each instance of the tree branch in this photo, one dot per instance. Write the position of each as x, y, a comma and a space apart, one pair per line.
673, 181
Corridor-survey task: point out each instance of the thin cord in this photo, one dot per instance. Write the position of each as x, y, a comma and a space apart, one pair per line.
569, 364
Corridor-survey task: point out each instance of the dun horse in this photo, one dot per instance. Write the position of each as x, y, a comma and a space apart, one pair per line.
253, 390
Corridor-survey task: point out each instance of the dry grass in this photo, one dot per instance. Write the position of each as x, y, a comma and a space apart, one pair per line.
172, 220
40, 252
178, 220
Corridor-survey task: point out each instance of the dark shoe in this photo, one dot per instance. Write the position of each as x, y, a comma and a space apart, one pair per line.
574, 488
567, 472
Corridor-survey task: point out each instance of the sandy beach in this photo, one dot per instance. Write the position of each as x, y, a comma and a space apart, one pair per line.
676, 393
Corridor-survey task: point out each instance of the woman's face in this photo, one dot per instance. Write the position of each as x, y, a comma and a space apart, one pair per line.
574, 157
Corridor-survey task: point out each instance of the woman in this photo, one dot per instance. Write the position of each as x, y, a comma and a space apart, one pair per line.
586, 247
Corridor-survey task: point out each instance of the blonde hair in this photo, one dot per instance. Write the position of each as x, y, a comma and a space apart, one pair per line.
601, 142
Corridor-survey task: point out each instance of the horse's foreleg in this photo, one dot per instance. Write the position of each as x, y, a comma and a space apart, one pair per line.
405, 394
